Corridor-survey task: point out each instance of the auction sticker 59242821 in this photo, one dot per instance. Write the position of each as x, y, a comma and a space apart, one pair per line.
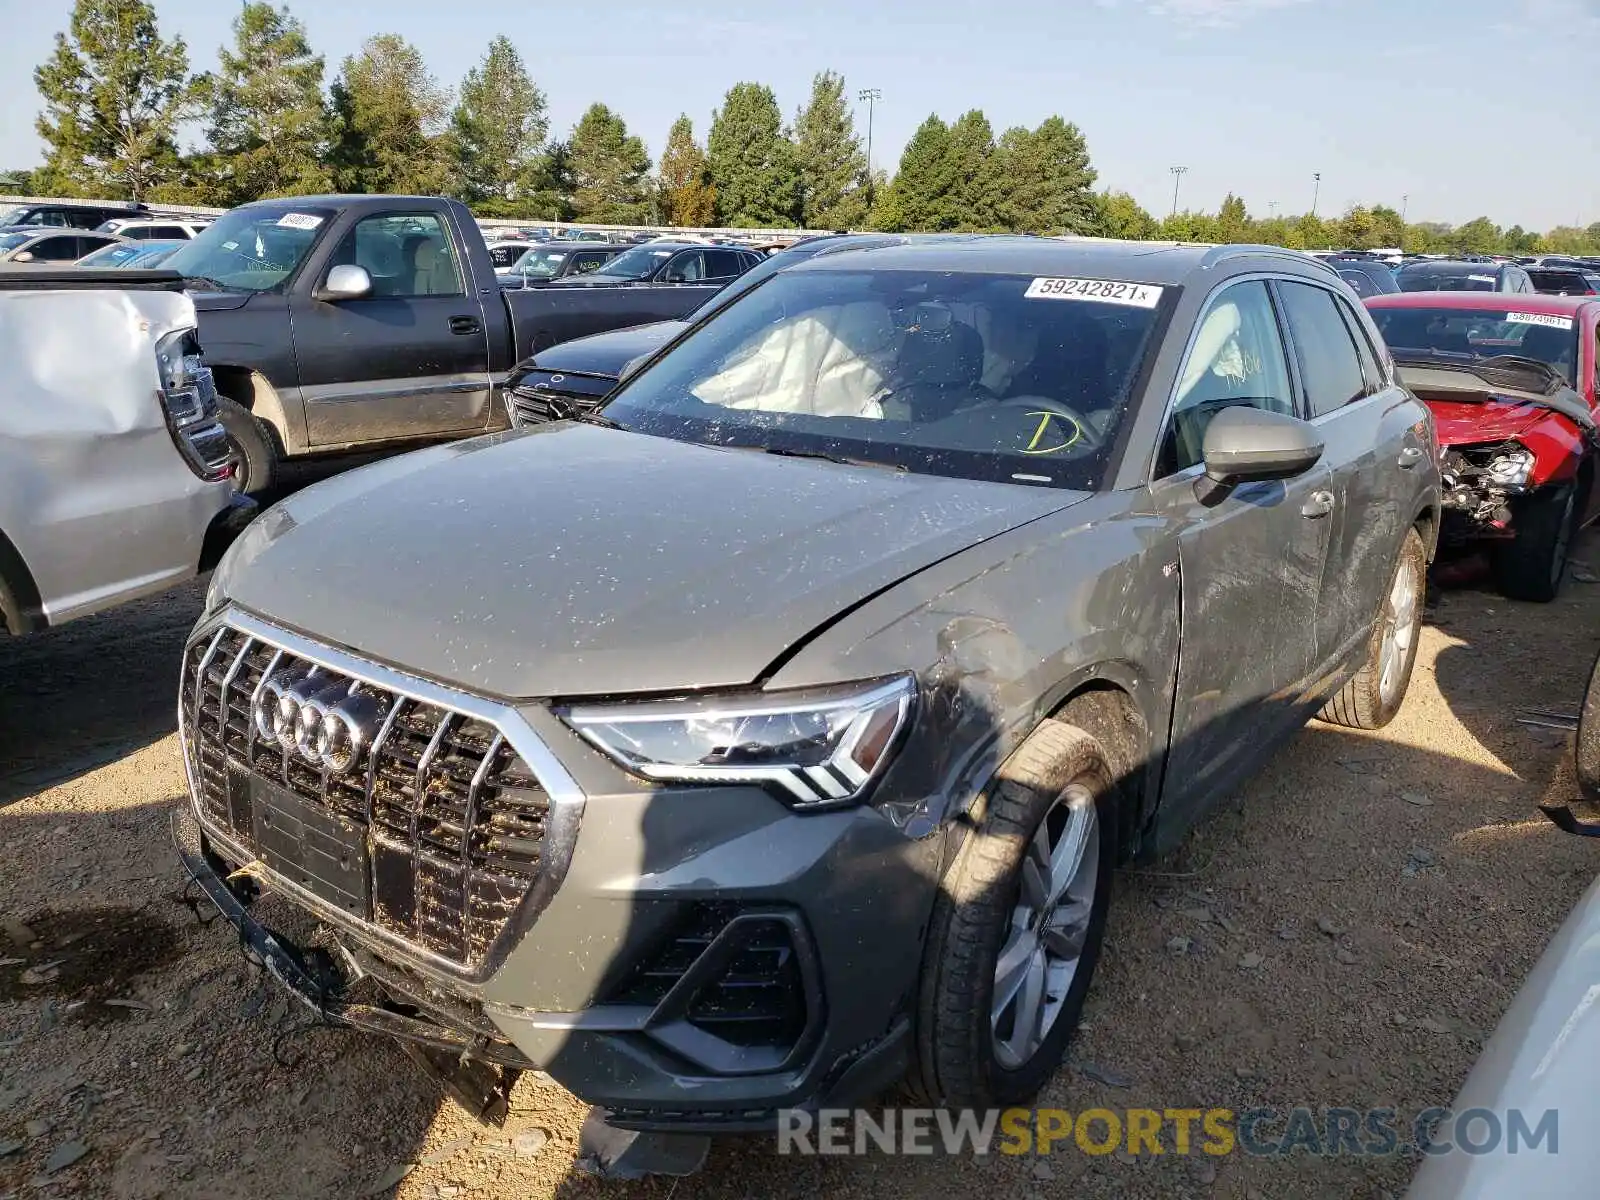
1102, 291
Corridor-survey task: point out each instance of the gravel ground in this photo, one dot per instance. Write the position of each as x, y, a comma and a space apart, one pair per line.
1344, 932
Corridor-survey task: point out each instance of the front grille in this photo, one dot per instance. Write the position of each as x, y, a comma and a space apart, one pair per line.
541, 406
438, 820
754, 997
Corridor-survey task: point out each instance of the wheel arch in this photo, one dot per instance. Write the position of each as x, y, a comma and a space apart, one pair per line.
254, 391
1103, 706
21, 606
1426, 524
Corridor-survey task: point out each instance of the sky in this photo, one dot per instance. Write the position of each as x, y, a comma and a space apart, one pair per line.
1451, 109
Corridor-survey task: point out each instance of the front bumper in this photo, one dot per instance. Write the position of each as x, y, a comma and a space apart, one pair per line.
705, 958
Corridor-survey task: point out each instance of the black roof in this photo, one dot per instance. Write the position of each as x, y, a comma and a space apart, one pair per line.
1158, 263
1452, 266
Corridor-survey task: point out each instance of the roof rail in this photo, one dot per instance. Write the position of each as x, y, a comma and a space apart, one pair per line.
1220, 254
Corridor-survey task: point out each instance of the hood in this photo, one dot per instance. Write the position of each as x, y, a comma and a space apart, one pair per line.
605, 353
207, 300
573, 560
1467, 423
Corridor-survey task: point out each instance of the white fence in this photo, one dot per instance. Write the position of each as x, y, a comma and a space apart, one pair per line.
486, 223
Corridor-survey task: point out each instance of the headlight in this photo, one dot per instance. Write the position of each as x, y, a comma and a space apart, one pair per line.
1511, 469
817, 748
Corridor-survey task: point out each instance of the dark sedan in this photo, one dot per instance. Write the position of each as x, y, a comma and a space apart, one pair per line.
671, 262
1447, 275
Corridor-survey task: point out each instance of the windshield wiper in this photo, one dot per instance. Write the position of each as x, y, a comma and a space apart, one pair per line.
844, 460
216, 284
594, 418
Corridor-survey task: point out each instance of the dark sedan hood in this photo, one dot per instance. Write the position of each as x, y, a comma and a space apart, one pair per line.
605, 353
573, 560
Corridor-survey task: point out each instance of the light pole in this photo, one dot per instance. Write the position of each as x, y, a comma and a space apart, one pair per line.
1272, 208
871, 96
1316, 191
1177, 179
1405, 207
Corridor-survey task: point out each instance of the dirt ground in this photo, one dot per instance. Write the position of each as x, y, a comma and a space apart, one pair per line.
1344, 932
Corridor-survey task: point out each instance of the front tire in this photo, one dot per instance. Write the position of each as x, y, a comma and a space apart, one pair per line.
253, 442
1532, 565
1374, 695
1017, 926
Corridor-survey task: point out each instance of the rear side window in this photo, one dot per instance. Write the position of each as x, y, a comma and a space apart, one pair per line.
1330, 369
722, 264
59, 249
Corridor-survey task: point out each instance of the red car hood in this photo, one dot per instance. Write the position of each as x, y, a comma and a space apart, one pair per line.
1465, 422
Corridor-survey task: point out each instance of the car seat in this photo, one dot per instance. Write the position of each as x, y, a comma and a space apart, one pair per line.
432, 272
940, 372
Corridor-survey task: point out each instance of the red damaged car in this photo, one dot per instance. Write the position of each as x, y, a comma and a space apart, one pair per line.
1512, 382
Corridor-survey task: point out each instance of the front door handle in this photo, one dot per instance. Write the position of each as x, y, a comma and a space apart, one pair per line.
1410, 457
1318, 504
465, 325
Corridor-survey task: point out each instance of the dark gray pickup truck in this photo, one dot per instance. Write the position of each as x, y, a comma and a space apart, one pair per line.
341, 323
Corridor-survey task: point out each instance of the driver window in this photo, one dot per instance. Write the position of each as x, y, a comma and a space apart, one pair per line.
1237, 359
405, 256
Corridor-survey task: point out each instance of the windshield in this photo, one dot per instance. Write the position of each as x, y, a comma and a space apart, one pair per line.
1458, 335
12, 214
539, 263
11, 241
979, 376
1448, 279
251, 249
119, 254
639, 263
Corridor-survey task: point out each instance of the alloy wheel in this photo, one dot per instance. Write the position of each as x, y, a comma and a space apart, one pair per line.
1399, 631
1049, 927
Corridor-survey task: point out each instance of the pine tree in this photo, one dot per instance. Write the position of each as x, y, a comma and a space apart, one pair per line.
499, 128
687, 197
267, 122
114, 94
919, 198
609, 170
389, 117
977, 198
752, 162
1233, 221
828, 153
1043, 180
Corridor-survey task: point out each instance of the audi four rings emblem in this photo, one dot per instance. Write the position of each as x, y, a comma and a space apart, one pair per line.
319, 716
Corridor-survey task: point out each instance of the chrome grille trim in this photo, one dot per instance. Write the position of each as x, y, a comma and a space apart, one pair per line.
509, 733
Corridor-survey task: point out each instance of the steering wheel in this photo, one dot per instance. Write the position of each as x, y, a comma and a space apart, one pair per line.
1088, 435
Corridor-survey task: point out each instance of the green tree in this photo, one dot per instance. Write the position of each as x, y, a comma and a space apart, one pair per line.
550, 185
609, 170
1478, 236
1234, 225
1314, 233
1389, 228
687, 197
17, 183
1044, 181
498, 131
1190, 227
267, 122
918, 198
114, 94
832, 166
1357, 229
1119, 215
389, 118
752, 162
1521, 241
976, 201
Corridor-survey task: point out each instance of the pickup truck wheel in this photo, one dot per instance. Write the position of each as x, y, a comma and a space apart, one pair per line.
1374, 695
1531, 566
258, 459
1017, 926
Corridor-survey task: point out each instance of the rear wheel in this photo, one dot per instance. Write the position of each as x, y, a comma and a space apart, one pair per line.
1531, 566
253, 442
1017, 927
1374, 695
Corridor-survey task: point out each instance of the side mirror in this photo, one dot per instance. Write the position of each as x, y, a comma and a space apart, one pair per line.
1251, 445
345, 282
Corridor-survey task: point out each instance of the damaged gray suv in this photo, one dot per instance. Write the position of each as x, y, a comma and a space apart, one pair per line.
771, 734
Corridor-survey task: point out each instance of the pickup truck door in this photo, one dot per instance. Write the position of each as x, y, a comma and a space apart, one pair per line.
1251, 564
409, 360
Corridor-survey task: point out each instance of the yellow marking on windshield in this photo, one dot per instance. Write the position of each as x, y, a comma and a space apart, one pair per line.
1045, 418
